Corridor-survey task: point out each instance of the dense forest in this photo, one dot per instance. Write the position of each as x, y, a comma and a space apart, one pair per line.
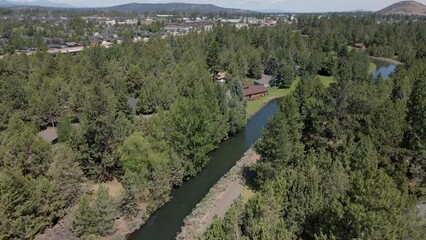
344, 162
343, 156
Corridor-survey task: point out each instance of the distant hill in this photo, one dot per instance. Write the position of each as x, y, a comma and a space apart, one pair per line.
405, 8
130, 7
4, 3
39, 3
178, 7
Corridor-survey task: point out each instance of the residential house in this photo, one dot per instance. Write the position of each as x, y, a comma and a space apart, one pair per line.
66, 50
137, 39
106, 44
50, 135
253, 92
360, 46
121, 21
241, 25
95, 42
71, 44
111, 22
131, 21
55, 46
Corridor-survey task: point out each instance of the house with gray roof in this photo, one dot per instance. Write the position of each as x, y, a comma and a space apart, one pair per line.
264, 81
50, 135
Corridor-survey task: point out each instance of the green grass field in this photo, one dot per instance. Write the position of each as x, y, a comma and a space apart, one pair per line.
249, 80
247, 194
254, 106
372, 67
326, 81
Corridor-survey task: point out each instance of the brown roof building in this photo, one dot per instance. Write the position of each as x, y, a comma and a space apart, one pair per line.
360, 45
253, 92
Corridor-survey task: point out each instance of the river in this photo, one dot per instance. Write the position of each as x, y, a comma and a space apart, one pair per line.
166, 222
383, 69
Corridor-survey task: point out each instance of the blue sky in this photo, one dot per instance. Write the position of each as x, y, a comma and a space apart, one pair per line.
285, 5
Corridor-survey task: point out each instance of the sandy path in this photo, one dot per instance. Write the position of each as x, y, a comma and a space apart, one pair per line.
393, 61
229, 196
219, 199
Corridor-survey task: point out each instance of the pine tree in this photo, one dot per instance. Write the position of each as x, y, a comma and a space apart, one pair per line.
96, 215
105, 210
132, 193
417, 131
64, 129
66, 172
271, 66
85, 221
284, 76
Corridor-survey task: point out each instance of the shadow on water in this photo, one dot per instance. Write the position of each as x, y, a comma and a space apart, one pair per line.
167, 221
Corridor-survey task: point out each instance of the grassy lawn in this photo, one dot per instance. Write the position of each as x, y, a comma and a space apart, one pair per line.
256, 105
249, 80
327, 81
372, 67
246, 194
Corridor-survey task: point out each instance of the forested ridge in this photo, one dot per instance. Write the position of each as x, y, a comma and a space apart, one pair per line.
344, 162
182, 114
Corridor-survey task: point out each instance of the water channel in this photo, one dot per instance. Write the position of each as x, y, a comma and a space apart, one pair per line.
383, 69
167, 221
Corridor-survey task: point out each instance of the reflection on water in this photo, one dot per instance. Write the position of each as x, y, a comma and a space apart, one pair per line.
383, 69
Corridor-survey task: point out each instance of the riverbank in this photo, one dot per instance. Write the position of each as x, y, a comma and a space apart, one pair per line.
218, 200
122, 226
390, 60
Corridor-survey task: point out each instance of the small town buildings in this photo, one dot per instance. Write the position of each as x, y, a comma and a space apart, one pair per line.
55, 46
241, 25
71, 44
253, 92
264, 81
131, 21
111, 22
66, 50
137, 39
106, 44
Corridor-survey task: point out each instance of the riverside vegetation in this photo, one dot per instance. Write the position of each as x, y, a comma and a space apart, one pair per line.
322, 175
343, 162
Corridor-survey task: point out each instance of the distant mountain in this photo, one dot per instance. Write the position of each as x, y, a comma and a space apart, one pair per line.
271, 11
169, 7
130, 7
5, 3
405, 8
38, 3
361, 10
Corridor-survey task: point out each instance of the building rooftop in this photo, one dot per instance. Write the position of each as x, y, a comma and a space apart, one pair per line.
250, 89
49, 135
266, 79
